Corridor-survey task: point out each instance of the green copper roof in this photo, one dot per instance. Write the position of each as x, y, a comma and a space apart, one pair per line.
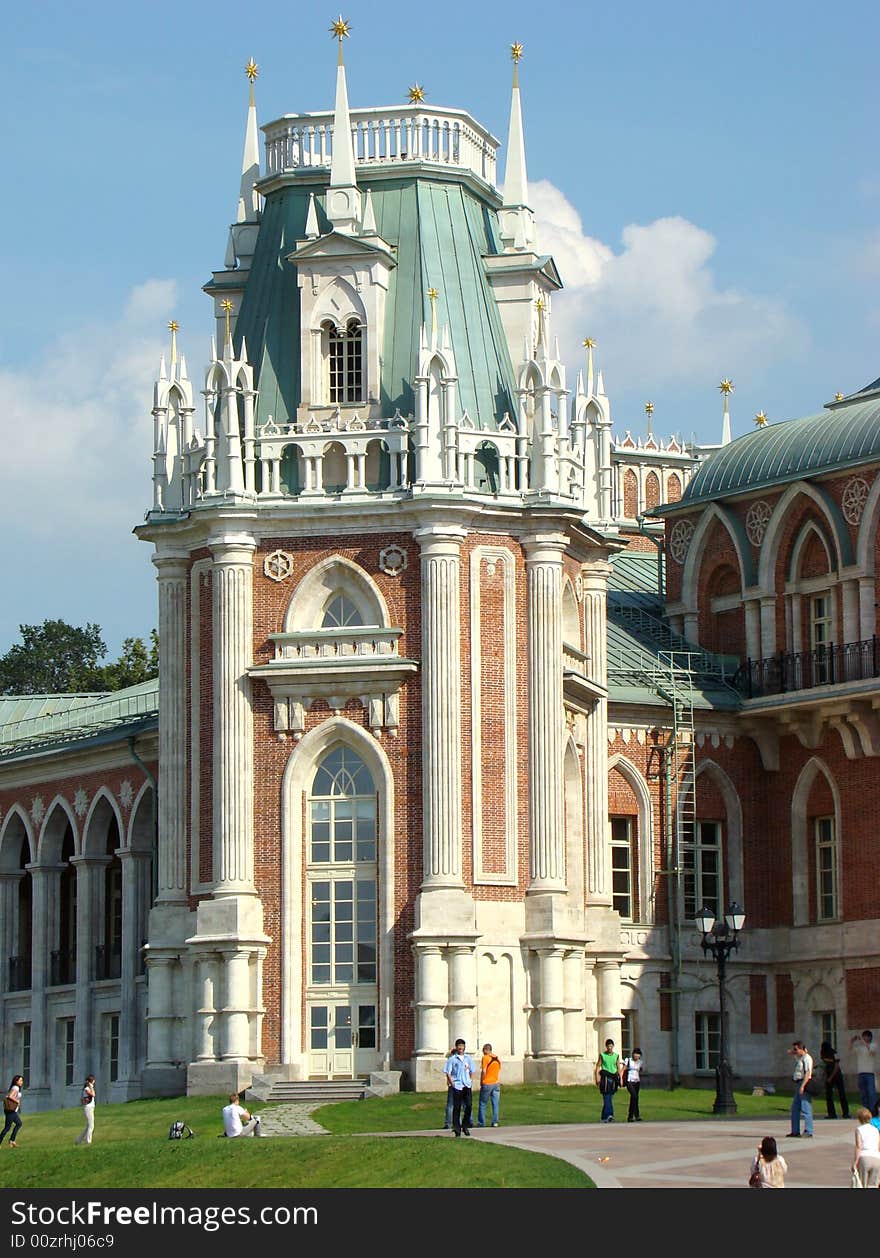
54, 720
440, 230
844, 434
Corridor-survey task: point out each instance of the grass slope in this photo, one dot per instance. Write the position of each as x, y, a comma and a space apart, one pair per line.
131, 1149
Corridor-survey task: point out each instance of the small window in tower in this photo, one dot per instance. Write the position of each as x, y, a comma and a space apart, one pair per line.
345, 351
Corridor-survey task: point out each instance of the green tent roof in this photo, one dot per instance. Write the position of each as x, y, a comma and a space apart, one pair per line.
439, 229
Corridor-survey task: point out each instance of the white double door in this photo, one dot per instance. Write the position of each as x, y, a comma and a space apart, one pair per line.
343, 1035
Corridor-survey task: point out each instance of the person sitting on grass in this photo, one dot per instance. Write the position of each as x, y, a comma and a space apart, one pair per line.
237, 1121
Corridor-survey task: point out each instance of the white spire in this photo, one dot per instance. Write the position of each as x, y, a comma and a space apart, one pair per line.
726, 386
368, 225
517, 220
312, 232
248, 198
343, 197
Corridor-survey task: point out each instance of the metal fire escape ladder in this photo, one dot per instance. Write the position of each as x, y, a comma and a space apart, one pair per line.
673, 681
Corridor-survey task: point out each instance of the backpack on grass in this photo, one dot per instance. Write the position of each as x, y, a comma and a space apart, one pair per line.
180, 1131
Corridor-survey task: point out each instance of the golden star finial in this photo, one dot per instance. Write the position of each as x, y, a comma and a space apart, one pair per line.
226, 307
589, 343
649, 408
726, 386
416, 94
540, 305
173, 326
761, 419
340, 28
516, 51
838, 397
252, 70
433, 294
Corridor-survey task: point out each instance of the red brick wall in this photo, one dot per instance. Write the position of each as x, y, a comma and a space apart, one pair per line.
863, 998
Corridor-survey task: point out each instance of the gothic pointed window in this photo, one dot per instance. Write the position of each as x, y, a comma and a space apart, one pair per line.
341, 613
345, 362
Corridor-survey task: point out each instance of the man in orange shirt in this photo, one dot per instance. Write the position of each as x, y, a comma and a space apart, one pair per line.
490, 1071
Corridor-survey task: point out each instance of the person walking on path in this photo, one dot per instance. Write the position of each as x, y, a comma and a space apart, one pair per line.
769, 1167
866, 1064
833, 1081
801, 1104
237, 1121
866, 1162
87, 1101
460, 1071
490, 1086
11, 1107
607, 1073
632, 1077
450, 1097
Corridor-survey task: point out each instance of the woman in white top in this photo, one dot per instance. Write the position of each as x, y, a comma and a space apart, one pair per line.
867, 1159
632, 1077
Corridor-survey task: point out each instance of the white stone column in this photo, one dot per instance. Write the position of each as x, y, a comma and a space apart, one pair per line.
44, 923
431, 987
753, 628
233, 716
205, 1011
850, 619
551, 1002
609, 1015
768, 626
462, 992
89, 932
136, 892
172, 577
161, 970
573, 988
441, 706
545, 718
867, 611
235, 1038
598, 833
9, 883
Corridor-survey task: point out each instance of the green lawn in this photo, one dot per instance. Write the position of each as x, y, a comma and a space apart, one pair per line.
530, 1104
131, 1149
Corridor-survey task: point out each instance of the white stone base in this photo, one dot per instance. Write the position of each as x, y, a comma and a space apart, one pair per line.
565, 1072
163, 1081
218, 1078
425, 1074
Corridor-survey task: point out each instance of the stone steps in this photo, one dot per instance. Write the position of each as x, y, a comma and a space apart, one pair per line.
314, 1091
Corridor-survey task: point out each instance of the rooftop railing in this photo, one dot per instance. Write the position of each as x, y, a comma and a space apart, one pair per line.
379, 136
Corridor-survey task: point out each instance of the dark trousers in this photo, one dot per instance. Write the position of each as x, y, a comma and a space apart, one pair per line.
13, 1122
840, 1087
633, 1090
461, 1109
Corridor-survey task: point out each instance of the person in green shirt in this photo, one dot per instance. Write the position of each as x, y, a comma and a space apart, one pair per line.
607, 1076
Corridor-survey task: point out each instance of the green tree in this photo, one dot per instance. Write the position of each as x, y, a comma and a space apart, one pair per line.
58, 658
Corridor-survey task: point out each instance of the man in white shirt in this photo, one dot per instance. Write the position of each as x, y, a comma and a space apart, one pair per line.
459, 1076
866, 1059
801, 1104
237, 1121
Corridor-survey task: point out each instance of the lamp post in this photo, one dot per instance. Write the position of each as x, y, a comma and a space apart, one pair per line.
720, 938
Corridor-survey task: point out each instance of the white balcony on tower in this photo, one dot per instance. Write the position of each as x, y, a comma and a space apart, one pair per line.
384, 136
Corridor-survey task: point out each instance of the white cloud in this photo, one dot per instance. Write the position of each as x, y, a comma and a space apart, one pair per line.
655, 307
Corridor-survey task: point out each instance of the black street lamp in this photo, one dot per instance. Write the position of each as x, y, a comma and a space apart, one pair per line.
720, 938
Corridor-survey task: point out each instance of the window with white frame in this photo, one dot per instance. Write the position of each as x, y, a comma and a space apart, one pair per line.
622, 867
702, 863
707, 1040
821, 636
340, 613
629, 1032
25, 1052
113, 1046
826, 1027
826, 868
344, 359
69, 1043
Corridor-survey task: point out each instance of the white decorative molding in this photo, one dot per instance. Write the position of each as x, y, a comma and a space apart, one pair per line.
855, 495
80, 802
757, 519
126, 794
493, 556
278, 566
680, 540
579, 587
38, 809
393, 560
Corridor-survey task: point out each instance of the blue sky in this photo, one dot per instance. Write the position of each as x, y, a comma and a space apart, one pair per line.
705, 175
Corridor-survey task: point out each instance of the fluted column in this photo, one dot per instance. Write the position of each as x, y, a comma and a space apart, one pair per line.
172, 576
233, 717
546, 720
441, 706
595, 578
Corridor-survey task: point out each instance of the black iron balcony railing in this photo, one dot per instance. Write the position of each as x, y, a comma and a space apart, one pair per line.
108, 962
801, 670
19, 974
62, 967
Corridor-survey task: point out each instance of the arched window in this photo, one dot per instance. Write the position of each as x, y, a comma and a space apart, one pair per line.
487, 479
291, 471
345, 361
340, 613
63, 958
